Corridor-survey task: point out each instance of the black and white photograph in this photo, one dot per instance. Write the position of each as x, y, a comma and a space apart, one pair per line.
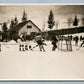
42, 42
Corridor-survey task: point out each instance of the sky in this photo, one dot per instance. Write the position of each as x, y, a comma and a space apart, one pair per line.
39, 13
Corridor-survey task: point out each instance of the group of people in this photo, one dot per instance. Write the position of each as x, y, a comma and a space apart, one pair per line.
40, 42
77, 39
25, 45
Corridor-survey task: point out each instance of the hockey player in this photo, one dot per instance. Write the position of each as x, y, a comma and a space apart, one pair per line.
82, 45
40, 43
54, 43
24, 44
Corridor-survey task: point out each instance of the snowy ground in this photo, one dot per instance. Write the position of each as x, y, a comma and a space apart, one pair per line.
15, 64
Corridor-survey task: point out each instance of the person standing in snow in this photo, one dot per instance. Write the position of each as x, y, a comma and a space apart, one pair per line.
27, 45
40, 43
21, 45
22, 41
54, 43
76, 40
82, 44
24, 44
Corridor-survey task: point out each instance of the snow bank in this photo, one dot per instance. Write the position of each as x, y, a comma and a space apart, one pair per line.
11, 42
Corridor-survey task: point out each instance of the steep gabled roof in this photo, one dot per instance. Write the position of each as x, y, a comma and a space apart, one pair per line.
20, 25
34, 25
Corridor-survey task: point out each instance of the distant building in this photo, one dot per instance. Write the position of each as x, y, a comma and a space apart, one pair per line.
26, 27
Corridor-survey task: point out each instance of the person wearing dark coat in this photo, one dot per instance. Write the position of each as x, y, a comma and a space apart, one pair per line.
54, 43
40, 43
76, 41
82, 44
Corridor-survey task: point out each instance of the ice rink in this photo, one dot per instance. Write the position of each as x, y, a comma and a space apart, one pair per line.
15, 64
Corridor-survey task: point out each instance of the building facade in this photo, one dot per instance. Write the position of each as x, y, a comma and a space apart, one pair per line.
28, 28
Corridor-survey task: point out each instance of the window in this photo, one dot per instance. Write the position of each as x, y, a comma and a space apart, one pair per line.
29, 26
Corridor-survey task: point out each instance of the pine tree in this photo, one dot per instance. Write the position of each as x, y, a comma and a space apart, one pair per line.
51, 20
15, 21
4, 33
4, 27
75, 23
12, 24
24, 18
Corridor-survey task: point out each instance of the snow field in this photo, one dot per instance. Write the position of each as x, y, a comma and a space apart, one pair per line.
15, 64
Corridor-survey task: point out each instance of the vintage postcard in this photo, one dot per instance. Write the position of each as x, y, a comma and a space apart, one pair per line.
42, 42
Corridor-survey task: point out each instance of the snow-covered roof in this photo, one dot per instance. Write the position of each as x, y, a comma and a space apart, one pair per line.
20, 25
